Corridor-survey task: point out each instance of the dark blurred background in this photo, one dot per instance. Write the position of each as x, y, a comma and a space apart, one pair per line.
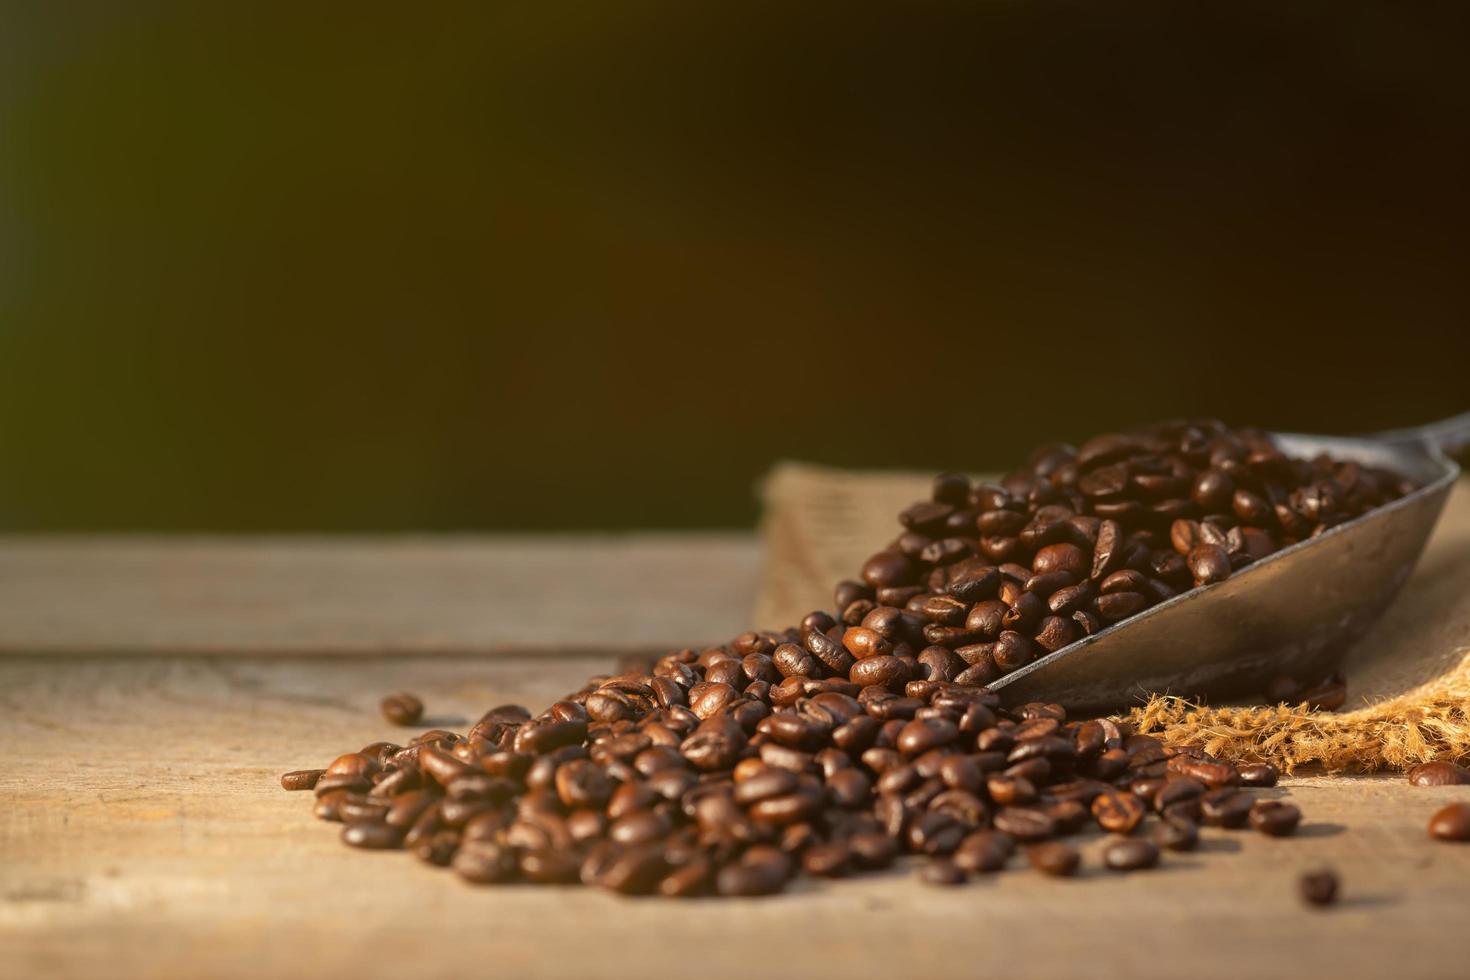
546, 265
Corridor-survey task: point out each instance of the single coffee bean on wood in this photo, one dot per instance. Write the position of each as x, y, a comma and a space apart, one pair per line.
402, 709
1261, 774
1428, 774
1318, 887
1451, 823
372, 836
301, 779
1176, 835
1130, 854
1274, 818
1056, 859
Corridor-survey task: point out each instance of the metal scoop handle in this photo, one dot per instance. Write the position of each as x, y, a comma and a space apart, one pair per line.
1450, 436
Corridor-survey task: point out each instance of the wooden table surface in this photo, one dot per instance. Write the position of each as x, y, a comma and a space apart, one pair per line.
151, 692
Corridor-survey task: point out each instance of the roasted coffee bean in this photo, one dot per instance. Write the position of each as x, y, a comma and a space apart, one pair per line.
362, 809
1329, 695
567, 710
1058, 860
985, 618
639, 827
1184, 535
863, 642
437, 848
484, 863
872, 851
921, 736
1130, 854
1024, 823
1010, 790
371, 836
1012, 651
632, 871
1226, 807
1176, 790
1213, 774
848, 592
881, 671
1318, 887
827, 860
688, 879
1119, 605
1212, 491
582, 783
1120, 813
301, 779
764, 784
1063, 557
849, 789
549, 866
352, 765
1428, 774
1107, 554
1208, 564
984, 851
889, 568
1176, 835
761, 870
1451, 823
941, 871
402, 709
1261, 774
1250, 508
1274, 817
328, 805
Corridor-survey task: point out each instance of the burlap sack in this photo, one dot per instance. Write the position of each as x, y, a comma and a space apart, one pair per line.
1408, 678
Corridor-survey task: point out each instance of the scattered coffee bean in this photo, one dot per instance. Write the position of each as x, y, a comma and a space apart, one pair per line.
302, 779
1318, 887
1451, 823
402, 709
941, 871
1130, 854
1119, 812
1226, 807
484, 863
373, 836
1059, 860
1274, 818
1176, 835
1261, 774
1428, 774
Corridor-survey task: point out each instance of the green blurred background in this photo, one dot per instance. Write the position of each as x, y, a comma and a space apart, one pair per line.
544, 265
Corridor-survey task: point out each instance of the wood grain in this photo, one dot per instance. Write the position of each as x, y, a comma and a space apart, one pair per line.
143, 834
408, 594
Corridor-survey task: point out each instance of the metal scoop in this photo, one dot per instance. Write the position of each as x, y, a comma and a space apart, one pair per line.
1293, 613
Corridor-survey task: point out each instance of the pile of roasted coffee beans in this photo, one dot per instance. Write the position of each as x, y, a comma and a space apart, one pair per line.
987, 577
710, 775
837, 745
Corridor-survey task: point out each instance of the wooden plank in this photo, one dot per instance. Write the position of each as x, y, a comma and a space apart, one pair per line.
410, 594
144, 835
